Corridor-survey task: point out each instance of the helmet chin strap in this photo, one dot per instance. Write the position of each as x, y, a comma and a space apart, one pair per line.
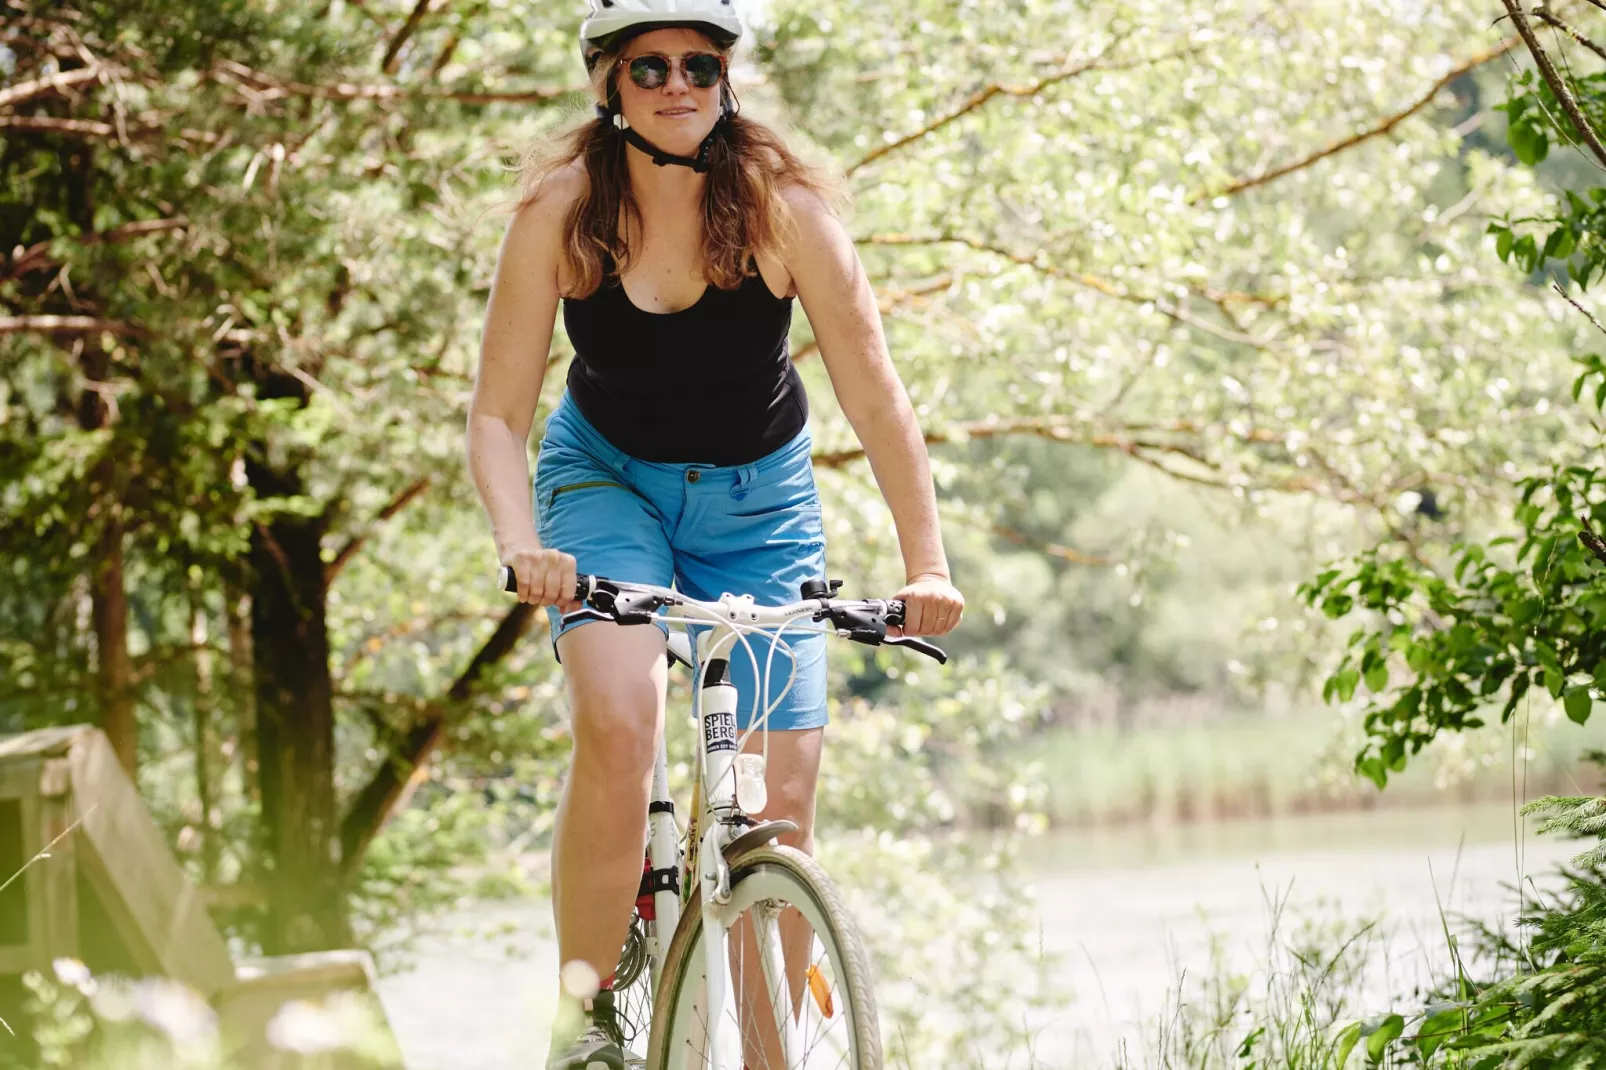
610, 114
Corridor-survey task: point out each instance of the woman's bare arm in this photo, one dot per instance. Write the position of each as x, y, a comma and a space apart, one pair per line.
519, 318
836, 295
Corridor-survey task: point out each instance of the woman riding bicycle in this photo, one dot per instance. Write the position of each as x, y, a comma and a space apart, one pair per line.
676, 233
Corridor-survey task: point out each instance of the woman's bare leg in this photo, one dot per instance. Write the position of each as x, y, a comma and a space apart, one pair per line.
616, 676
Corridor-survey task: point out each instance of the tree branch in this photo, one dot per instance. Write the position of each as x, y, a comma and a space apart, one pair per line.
65, 325
11, 96
1387, 124
1054, 428
355, 543
1166, 308
886, 301
1587, 314
1064, 553
388, 64
372, 806
1557, 84
270, 88
1545, 15
44, 124
974, 101
995, 89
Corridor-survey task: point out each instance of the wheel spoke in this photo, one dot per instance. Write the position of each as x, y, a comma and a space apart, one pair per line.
798, 990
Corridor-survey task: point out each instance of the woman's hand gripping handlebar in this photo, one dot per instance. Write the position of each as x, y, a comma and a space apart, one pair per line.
861, 620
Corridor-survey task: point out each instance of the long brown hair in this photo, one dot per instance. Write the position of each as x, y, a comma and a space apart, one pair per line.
744, 212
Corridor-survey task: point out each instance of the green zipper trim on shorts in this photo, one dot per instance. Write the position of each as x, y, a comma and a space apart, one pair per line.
582, 486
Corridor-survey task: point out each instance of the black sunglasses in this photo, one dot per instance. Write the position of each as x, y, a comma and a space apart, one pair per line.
702, 69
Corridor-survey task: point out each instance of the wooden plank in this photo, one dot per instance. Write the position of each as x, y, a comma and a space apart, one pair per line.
41, 742
58, 901
333, 970
265, 985
153, 904
19, 778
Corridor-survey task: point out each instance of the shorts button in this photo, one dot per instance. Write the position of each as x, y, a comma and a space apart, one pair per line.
693, 476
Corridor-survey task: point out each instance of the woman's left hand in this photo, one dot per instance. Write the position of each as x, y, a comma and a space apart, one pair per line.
931, 606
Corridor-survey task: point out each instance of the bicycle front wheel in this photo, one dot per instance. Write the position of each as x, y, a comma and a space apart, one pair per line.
797, 991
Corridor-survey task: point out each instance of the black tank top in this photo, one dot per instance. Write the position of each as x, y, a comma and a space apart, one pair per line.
709, 384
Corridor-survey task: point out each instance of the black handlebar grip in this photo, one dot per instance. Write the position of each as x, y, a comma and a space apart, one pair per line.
584, 584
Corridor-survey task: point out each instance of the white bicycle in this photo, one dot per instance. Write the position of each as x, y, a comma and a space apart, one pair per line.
764, 967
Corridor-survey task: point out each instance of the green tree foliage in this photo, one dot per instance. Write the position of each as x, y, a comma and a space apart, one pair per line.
1502, 622
1237, 248
1449, 638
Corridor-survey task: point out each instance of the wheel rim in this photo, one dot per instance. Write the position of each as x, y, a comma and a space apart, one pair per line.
825, 1030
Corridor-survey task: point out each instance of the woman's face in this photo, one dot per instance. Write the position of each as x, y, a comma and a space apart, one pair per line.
677, 115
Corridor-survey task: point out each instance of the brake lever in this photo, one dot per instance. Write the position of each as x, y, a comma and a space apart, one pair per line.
920, 646
585, 614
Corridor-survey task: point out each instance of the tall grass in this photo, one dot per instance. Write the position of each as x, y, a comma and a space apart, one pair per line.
1253, 765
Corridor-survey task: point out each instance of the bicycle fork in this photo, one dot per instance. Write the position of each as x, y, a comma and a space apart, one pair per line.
717, 712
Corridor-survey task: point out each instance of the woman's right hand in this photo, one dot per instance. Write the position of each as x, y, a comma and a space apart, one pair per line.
546, 577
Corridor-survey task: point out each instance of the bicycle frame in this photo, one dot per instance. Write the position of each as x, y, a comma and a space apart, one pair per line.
719, 831
721, 819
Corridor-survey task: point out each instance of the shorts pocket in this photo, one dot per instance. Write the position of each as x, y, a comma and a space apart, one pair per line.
793, 493
552, 496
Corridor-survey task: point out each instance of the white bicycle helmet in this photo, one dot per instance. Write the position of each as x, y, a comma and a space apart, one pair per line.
607, 19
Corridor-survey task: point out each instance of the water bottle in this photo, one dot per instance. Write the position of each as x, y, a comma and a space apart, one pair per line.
719, 742
752, 792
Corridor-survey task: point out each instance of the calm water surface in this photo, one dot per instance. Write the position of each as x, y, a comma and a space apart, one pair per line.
1127, 911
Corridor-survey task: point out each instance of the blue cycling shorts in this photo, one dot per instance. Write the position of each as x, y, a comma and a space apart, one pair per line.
703, 529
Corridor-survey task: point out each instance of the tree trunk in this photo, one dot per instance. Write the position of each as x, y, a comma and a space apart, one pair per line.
242, 686
107, 594
114, 672
208, 750
295, 734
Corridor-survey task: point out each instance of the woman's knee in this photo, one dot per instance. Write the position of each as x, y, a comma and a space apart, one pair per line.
615, 730
616, 698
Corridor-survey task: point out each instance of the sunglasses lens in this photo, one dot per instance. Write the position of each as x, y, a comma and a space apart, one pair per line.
703, 69
649, 72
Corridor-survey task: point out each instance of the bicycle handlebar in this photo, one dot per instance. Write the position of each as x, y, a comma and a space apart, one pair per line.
861, 620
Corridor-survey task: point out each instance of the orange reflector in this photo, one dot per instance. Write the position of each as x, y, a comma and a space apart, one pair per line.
820, 988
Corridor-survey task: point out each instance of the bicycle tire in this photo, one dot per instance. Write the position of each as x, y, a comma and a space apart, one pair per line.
770, 875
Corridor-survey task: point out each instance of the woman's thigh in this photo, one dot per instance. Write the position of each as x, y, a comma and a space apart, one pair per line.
616, 677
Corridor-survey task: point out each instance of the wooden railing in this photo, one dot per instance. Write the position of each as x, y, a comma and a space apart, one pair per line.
96, 882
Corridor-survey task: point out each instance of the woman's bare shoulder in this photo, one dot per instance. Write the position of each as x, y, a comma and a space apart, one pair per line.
555, 194
536, 233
